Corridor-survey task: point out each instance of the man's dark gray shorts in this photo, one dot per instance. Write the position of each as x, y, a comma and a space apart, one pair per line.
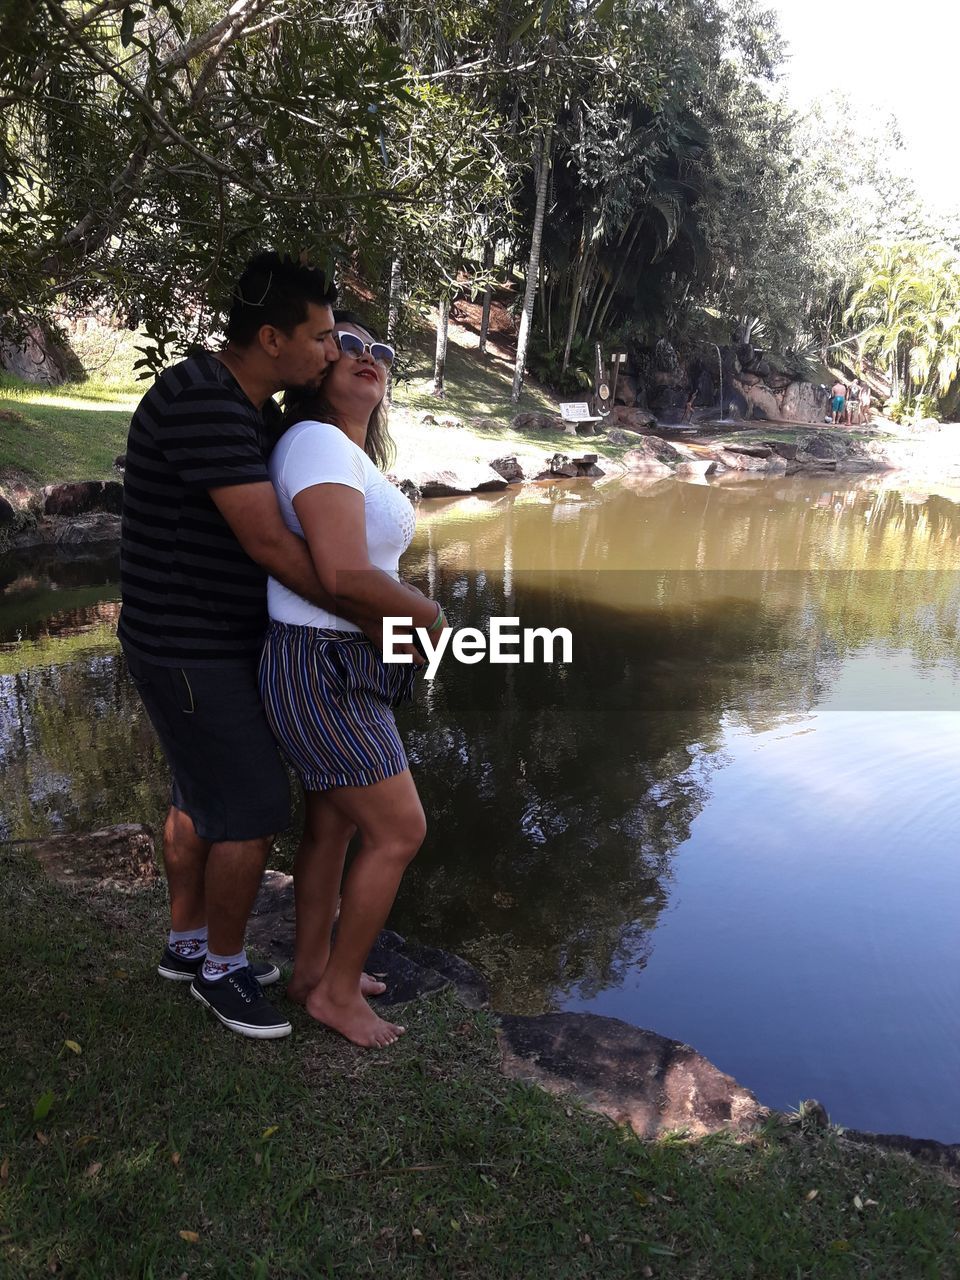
227, 771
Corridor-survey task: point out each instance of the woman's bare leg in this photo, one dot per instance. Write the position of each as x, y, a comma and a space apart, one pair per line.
392, 826
317, 872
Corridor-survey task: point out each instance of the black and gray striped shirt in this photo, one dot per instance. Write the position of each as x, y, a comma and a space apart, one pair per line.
190, 592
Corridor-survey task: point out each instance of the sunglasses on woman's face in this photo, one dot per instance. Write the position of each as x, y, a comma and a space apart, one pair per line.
354, 347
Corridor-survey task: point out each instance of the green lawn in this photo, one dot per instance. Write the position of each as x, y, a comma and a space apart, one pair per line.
74, 432
139, 1138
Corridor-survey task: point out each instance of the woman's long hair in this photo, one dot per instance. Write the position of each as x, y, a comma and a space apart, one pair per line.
301, 405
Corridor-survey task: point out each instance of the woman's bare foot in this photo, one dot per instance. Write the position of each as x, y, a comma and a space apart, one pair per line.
298, 989
353, 1018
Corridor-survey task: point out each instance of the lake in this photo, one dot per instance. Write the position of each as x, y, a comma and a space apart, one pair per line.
730, 818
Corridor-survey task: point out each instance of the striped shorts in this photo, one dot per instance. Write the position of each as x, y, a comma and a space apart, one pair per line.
329, 699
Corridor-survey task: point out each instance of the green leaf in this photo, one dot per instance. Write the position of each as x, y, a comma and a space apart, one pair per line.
43, 1105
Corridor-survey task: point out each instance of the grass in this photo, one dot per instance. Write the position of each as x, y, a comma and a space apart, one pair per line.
138, 1138
74, 432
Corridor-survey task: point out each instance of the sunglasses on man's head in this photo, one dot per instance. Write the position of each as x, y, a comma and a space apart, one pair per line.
351, 345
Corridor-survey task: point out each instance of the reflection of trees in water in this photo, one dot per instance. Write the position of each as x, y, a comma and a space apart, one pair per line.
76, 751
556, 796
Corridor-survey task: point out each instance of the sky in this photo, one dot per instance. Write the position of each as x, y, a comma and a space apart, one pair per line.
890, 58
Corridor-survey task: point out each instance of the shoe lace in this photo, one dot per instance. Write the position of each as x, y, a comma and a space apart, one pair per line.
243, 981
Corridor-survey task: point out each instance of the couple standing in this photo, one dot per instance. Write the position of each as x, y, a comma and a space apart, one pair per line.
223, 491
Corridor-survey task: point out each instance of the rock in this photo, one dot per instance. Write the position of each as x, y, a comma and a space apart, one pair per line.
509, 468
641, 464
763, 403
734, 403
560, 465
120, 857
112, 498
784, 449
463, 478
98, 526
410, 490
627, 389
696, 470
742, 461
537, 422
616, 436
409, 970
632, 419
803, 402
822, 447
75, 499
40, 356
82, 497
752, 450
635, 1077
652, 456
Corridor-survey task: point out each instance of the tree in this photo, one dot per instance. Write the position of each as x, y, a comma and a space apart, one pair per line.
147, 150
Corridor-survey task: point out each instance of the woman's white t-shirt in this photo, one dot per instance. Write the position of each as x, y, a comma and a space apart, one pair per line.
319, 453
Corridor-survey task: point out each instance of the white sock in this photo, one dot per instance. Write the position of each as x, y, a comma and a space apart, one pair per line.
216, 967
188, 944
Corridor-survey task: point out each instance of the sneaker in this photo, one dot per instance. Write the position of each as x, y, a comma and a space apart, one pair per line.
240, 1005
178, 969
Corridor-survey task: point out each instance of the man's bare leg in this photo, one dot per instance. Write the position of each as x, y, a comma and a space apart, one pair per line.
185, 866
234, 871
392, 826
317, 873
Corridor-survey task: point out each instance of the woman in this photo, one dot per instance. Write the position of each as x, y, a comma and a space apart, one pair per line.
327, 692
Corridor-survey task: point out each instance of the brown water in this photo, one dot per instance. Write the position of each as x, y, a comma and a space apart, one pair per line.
731, 818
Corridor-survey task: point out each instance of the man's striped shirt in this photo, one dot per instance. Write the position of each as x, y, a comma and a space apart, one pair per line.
190, 592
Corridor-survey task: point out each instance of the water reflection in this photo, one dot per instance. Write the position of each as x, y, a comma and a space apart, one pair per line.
567, 805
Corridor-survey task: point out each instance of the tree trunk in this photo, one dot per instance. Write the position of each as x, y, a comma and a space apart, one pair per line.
533, 267
575, 302
485, 316
443, 321
606, 295
393, 318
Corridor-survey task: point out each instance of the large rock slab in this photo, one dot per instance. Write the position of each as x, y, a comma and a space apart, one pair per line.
537, 422
632, 418
652, 456
119, 857
509, 468
804, 402
409, 970
456, 480
97, 526
81, 497
635, 1077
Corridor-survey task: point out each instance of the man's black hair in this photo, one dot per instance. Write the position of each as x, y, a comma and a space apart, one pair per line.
275, 291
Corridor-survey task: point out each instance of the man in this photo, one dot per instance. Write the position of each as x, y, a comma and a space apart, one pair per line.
853, 402
201, 530
838, 402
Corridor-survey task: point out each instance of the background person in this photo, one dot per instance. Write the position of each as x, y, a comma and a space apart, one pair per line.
853, 403
328, 693
838, 401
